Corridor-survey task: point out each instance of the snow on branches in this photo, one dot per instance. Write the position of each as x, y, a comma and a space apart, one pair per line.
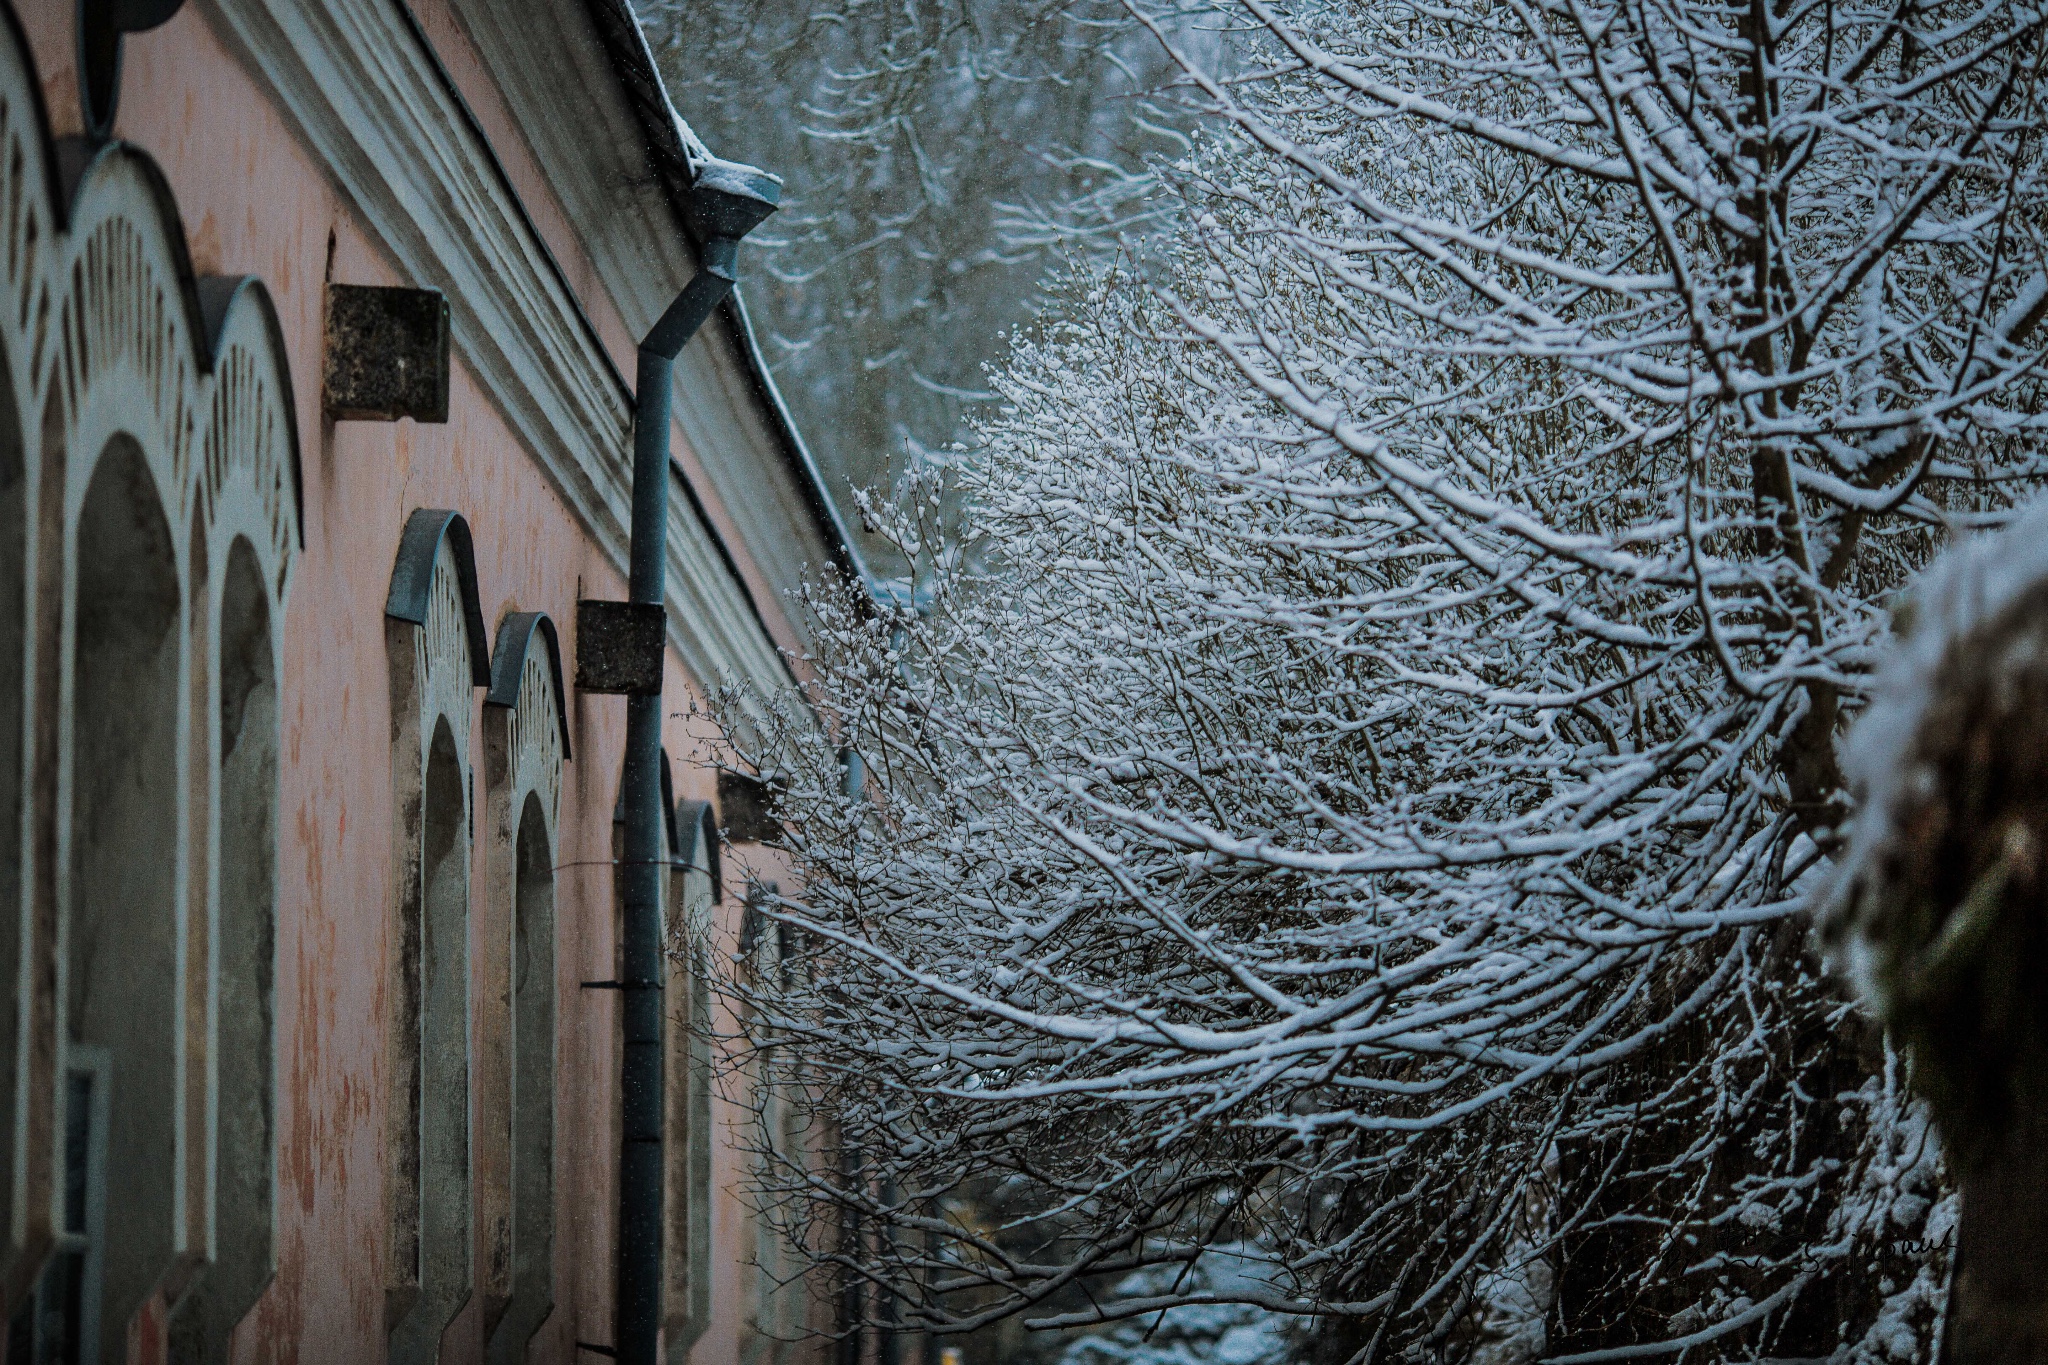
1353, 787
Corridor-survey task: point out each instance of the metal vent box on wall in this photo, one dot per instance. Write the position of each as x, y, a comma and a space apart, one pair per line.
387, 354
747, 805
620, 646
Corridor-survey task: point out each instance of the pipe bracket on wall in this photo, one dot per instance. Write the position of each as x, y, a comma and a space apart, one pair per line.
748, 805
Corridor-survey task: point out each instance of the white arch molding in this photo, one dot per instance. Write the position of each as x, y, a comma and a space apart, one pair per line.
435, 644
243, 553
526, 741
120, 423
162, 400
26, 225
125, 355
130, 384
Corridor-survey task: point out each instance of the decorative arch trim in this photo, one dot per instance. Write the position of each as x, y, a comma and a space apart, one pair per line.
508, 664
697, 824
433, 631
16, 38
412, 580
221, 297
80, 162
209, 302
109, 331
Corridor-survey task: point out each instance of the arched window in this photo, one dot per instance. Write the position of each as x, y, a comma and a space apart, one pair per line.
438, 980
686, 1092
243, 548
164, 413
115, 1198
15, 662
532, 1285
526, 741
243, 1005
434, 639
27, 213
773, 1300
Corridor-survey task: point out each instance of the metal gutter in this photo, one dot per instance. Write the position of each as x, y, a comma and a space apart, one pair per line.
730, 201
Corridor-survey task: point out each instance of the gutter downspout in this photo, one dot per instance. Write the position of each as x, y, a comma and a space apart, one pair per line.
727, 201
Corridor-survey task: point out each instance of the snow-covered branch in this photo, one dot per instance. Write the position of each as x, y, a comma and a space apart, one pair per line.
1368, 757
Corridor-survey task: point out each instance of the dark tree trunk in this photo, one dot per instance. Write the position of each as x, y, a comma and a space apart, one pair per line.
1998, 1308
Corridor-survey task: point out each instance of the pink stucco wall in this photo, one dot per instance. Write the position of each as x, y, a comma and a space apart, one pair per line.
254, 202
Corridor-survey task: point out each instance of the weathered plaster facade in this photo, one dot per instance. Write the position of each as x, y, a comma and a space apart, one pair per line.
314, 877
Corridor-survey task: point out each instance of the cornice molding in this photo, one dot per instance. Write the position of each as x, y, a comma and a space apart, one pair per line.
369, 99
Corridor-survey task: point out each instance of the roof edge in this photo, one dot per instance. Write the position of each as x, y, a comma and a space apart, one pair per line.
679, 157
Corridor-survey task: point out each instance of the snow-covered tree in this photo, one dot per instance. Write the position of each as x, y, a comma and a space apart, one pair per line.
1354, 791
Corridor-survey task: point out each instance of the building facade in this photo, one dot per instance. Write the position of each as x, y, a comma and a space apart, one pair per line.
317, 326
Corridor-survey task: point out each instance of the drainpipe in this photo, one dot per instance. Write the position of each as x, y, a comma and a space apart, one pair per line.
726, 202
